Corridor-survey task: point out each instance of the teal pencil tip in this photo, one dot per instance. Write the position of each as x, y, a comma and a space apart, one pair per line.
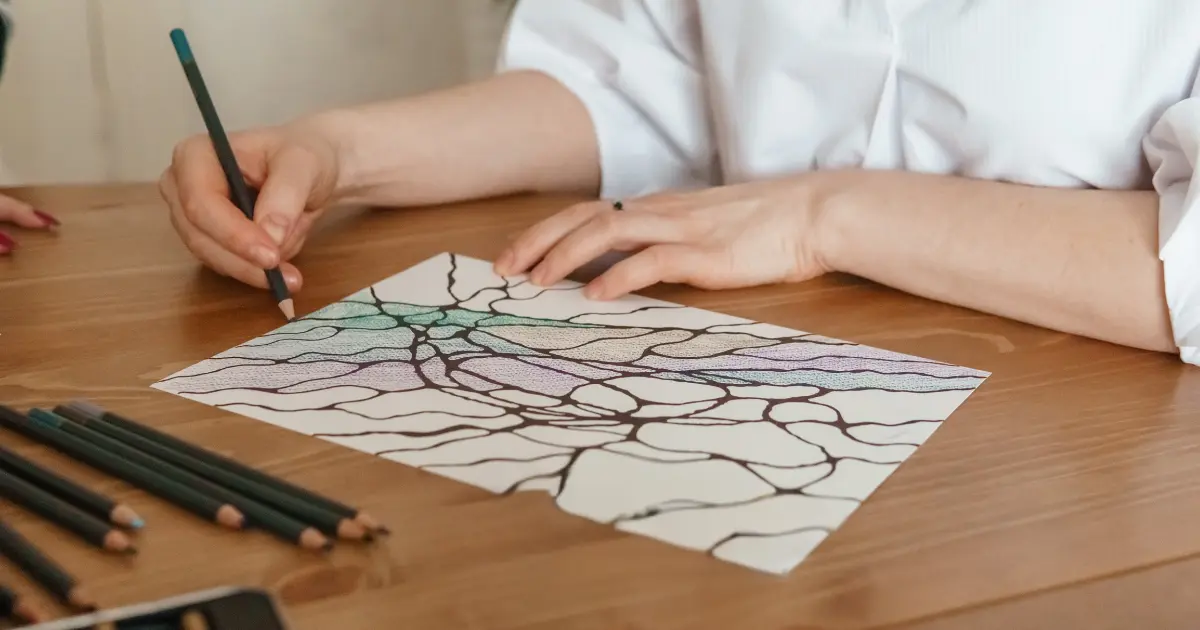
41, 416
182, 48
138, 524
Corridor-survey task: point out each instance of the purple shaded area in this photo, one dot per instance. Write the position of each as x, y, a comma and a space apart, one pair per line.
384, 377
435, 370
573, 367
802, 350
258, 377
473, 382
528, 377
828, 364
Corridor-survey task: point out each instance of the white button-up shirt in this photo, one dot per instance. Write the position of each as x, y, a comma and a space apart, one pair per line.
1066, 93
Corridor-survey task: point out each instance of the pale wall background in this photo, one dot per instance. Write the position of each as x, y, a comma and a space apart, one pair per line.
92, 91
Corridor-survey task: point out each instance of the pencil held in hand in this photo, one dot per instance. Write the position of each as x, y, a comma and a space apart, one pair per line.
240, 192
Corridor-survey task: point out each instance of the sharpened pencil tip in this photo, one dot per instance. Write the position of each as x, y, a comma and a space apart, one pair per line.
288, 308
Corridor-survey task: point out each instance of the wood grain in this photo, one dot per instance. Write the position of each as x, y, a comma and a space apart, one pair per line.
1062, 491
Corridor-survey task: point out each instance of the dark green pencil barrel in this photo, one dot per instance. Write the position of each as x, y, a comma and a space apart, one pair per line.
8, 602
323, 520
32, 498
92, 502
139, 476
240, 193
219, 461
37, 565
256, 513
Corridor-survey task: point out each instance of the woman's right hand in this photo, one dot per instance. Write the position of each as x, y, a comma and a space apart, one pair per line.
295, 168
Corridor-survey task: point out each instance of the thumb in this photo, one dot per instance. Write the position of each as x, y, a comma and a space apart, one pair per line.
290, 184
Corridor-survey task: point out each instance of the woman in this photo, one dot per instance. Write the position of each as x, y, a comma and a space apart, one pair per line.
12, 210
1031, 161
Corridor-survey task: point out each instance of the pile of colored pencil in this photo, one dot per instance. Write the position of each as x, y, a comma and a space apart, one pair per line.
214, 487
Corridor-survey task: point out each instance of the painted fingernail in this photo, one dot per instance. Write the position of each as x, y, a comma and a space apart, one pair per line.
47, 218
277, 227
7, 244
265, 256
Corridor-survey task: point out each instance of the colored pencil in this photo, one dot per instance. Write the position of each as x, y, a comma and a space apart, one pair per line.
256, 513
14, 607
239, 190
43, 570
147, 479
88, 527
324, 520
220, 461
95, 503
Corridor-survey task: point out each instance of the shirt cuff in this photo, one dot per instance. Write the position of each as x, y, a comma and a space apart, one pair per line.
1172, 148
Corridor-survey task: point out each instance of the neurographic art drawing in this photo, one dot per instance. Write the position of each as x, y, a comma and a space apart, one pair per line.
740, 439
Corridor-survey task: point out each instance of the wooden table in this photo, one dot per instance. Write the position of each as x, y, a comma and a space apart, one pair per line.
1064, 494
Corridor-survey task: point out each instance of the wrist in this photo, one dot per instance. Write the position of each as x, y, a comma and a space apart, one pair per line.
839, 210
336, 131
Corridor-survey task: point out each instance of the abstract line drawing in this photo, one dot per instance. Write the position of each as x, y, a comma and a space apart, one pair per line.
745, 440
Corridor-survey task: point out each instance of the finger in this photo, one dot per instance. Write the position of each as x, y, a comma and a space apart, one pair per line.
22, 214
292, 179
226, 263
203, 197
299, 235
537, 240
605, 232
208, 251
7, 244
659, 263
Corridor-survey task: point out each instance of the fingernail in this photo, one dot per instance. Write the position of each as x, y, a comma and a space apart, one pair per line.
47, 218
277, 227
7, 244
265, 256
591, 291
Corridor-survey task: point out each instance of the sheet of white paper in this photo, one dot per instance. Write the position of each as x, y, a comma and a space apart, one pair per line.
745, 440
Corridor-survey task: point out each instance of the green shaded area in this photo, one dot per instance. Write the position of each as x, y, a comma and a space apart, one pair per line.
514, 320
500, 345
461, 317
373, 322
425, 318
402, 310
445, 332
454, 346
345, 310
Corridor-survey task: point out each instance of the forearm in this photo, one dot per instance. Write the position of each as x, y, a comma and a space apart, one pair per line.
513, 133
1079, 261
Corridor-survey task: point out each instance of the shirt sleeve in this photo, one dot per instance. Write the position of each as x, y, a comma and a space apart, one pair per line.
1173, 151
635, 65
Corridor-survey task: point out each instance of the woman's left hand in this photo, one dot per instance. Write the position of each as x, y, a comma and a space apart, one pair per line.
718, 238
21, 214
